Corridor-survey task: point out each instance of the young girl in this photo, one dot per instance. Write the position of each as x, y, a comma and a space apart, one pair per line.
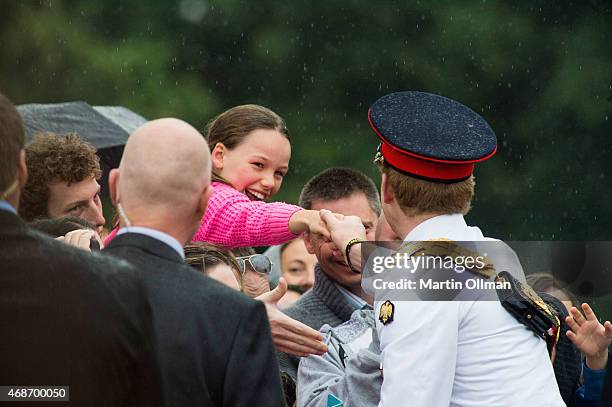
250, 151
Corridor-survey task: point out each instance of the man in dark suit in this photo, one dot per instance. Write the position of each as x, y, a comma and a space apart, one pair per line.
67, 317
215, 345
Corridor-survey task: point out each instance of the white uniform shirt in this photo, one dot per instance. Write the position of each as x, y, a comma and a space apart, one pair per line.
465, 353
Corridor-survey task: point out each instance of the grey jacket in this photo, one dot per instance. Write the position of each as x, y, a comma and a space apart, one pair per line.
349, 370
323, 304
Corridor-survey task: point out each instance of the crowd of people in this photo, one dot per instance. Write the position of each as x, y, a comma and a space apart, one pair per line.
172, 305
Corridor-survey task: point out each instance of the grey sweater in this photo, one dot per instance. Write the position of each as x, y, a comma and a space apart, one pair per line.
323, 304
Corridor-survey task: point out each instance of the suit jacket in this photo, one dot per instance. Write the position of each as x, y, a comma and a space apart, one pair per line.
215, 345
72, 318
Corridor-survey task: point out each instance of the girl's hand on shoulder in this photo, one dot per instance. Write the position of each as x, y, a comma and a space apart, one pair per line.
81, 238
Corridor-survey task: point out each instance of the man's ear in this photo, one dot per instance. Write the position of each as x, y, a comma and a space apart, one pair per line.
22, 170
387, 195
308, 243
113, 179
217, 155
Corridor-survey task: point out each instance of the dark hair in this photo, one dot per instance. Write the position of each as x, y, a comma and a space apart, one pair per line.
285, 245
60, 226
547, 283
55, 158
243, 251
201, 255
12, 139
231, 127
337, 183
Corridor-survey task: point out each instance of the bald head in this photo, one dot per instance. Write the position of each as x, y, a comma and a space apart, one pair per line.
164, 169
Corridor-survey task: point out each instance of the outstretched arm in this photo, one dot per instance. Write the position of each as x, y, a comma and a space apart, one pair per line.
290, 336
342, 230
233, 220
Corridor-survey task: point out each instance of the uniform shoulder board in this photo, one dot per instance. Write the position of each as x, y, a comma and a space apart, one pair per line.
529, 309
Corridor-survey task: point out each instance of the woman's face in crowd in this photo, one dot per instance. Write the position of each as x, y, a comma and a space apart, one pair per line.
256, 166
223, 274
298, 265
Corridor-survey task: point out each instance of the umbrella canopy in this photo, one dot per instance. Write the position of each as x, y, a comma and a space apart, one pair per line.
106, 127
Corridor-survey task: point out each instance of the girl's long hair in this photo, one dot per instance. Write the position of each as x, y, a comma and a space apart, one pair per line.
232, 127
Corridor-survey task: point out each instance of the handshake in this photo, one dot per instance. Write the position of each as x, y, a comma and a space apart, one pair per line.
333, 226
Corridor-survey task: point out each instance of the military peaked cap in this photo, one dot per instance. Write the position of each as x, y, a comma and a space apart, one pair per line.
429, 136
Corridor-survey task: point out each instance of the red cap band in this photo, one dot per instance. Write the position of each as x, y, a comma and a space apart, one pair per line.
425, 169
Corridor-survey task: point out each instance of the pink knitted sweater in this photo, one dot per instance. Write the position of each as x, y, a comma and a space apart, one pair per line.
233, 220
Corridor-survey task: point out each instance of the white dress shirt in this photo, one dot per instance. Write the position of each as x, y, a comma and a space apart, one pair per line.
461, 353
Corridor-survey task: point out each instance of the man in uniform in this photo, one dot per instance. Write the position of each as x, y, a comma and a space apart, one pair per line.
441, 353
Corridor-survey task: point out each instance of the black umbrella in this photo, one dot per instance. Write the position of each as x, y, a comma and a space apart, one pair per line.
106, 127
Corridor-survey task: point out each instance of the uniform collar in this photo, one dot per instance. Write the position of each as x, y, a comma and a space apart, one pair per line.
444, 226
155, 234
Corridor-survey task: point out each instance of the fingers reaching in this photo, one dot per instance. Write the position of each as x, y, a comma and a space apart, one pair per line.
572, 324
577, 316
80, 238
274, 296
588, 312
328, 217
321, 229
295, 337
295, 349
608, 329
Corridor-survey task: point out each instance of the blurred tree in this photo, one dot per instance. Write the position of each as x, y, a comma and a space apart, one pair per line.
540, 72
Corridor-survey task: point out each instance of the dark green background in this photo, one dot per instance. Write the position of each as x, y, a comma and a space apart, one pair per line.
540, 72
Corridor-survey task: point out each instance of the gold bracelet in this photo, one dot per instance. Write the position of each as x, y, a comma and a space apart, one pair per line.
347, 252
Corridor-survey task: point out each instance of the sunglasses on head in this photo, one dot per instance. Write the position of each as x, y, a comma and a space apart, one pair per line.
259, 263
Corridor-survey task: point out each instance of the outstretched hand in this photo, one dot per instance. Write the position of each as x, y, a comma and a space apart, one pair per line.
290, 336
319, 227
590, 336
343, 228
308, 220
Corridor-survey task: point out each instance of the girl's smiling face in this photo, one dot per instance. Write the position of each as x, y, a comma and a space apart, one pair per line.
257, 165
